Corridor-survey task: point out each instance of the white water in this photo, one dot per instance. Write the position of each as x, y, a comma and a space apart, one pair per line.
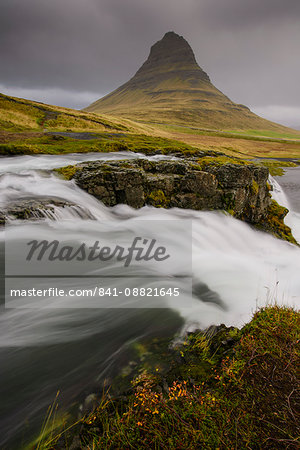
19, 164
69, 348
293, 217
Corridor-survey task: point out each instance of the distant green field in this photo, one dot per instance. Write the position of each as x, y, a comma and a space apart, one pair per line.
255, 135
268, 134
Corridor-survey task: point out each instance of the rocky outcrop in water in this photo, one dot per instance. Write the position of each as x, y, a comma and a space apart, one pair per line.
37, 209
240, 189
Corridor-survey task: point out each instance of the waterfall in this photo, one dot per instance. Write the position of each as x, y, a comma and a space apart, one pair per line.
293, 218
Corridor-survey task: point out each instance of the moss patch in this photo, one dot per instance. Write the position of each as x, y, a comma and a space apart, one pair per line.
276, 168
220, 160
255, 187
274, 222
158, 199
14, 149
67, 172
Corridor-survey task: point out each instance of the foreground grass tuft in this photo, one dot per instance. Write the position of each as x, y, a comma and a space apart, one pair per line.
236, 389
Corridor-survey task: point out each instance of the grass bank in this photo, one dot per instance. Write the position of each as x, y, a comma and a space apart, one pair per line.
55, 144
224, 388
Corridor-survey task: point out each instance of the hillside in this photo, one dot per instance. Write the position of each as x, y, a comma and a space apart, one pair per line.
17, 114
170, 87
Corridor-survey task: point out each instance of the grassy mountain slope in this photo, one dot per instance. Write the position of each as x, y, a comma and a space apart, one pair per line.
18, 114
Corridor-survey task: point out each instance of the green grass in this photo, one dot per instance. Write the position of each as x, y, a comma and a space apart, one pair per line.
220, 161
251, 135
276, 168
242, 395
103, 142
233, 389
67, 172
18, 114
268, 134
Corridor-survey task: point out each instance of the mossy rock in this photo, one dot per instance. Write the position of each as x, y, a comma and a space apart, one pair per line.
158, 199
220, 161
229, 202
255, 187
274, 222
68, 172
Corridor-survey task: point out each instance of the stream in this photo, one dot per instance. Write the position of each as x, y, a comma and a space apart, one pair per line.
73, 350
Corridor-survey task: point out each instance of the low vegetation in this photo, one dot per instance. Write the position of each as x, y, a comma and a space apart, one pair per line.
252, 135
274, 223
17, 115
158, 199
67, 172
234, 143
224, 388
56, 144
293, 134
220, 160
276, 168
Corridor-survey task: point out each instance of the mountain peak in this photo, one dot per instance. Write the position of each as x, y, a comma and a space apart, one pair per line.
173, 52
172, 38
172, 34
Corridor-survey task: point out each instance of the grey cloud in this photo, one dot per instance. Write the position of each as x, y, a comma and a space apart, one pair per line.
241, 13
249, 47
287, 115
58, 97
73, 43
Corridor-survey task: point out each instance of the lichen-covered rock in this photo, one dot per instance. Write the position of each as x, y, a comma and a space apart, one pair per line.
240, 189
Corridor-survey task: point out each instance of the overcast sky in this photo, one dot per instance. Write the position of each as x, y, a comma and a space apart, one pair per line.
72, 52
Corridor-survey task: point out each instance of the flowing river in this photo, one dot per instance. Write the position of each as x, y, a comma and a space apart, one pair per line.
75, 350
